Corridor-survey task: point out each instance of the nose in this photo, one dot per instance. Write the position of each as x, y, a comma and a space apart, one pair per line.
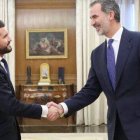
9, 39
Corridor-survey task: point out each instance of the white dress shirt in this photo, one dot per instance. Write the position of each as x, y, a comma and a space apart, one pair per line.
115, 44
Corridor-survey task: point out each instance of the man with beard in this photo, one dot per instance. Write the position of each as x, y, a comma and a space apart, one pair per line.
10, 107
115, 70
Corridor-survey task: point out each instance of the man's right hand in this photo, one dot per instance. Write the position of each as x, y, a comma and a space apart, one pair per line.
54, 111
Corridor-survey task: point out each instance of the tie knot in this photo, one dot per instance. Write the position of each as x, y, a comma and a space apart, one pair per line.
3, 60
110, 41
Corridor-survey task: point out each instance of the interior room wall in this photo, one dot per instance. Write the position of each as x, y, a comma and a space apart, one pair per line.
45, 14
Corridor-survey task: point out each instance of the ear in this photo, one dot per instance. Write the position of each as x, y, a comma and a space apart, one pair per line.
111, 15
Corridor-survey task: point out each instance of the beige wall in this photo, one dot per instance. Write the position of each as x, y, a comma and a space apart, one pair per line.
42, 14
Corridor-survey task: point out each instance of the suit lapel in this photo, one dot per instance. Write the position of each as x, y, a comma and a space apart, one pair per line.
3, 70
7, 76
124, 50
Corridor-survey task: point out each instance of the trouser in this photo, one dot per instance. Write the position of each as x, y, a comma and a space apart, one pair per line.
119, 132
12, 135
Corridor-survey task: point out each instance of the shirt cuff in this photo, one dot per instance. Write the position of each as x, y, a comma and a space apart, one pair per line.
44, 111
65, 107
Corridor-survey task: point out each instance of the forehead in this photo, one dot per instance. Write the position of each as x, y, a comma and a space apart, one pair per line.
96, 9
3, 31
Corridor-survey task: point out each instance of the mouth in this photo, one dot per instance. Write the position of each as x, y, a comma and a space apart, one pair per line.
97, 27
9, 46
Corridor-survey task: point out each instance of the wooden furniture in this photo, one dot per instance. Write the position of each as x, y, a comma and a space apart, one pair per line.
41, 95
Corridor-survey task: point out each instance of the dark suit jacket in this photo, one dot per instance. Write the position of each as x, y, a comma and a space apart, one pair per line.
10, 107
126, 98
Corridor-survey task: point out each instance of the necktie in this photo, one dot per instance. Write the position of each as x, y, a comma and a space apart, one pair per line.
111, 63
6, 66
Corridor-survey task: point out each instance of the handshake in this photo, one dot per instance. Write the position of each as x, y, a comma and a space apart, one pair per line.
55, 111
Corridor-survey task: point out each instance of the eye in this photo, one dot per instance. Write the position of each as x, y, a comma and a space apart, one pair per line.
5, 35
93, 17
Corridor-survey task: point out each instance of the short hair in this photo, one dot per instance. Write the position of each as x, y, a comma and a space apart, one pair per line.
2, 24
107, 6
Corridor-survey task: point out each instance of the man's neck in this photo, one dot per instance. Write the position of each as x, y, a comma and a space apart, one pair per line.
1, 56
113, 30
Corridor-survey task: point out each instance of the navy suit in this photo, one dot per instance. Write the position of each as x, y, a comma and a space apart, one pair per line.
10, 107
125, 99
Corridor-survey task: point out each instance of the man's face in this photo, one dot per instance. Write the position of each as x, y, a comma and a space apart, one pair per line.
4, 41
99, 20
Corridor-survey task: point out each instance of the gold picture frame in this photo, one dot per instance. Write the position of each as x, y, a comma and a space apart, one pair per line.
46, 43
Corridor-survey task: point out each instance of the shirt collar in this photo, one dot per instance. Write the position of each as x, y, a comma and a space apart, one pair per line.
117, 35
0, 58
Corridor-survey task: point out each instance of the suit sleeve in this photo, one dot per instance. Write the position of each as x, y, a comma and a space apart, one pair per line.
88, 94
9, 105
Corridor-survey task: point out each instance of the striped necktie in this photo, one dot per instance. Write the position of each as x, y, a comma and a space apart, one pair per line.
111, 63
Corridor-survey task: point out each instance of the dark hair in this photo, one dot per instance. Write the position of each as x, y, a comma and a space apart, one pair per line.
2, 24
107, 6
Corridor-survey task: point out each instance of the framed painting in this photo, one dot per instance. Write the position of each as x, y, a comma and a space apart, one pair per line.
46, 43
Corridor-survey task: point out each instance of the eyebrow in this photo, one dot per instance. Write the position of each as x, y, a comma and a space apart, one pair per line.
93, 16
5, 35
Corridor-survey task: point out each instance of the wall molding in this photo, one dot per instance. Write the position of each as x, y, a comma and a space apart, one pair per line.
53, 4
69, 78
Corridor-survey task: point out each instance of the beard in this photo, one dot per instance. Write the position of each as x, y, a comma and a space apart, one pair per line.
100, 33
5, 50
103, 27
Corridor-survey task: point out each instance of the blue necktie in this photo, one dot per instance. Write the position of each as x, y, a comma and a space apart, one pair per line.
111, 63
6, 66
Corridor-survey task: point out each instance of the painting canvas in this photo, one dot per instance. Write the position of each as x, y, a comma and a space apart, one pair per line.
46, 43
